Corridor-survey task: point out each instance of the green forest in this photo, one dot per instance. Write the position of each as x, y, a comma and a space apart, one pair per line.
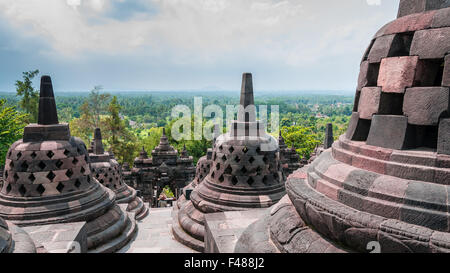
132, 120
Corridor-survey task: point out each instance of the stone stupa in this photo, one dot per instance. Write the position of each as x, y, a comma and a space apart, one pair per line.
386, 182
47, 180
245, 173
108, 172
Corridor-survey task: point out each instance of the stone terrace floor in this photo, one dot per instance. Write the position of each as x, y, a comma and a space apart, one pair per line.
155, 235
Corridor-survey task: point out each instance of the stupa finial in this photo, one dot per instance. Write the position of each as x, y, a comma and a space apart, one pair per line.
247, 100
47, 106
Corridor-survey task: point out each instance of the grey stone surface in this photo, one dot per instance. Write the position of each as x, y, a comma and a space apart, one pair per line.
60, 238
389, 132
155, 235
223, 229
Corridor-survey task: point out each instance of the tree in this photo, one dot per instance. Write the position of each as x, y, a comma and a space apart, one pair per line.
11, 128
303, 138
121, 141
30, 97
91, 112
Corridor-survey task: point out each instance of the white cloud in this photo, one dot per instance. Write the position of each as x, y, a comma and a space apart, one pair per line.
373, 2
296, 32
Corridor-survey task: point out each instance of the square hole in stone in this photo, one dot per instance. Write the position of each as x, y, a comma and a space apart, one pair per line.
391, 104
372, 74
401, 46
429, 73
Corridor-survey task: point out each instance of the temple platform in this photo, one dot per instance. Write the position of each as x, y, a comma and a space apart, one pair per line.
155, 235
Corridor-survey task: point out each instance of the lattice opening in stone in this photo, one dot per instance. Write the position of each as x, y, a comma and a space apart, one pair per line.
237, 159
213, 174
6, 174
221, 179
391, 104
16, 177
51, 176
69, 173
8, 188
372, 75
220, 147
218, 166
245, 150
244, 170
24, 166
33, 155
22, 190
42, 165
251, 159
429, 73
224, 158
74, 161
82, 170
228, 170
401, 45
265, 180
425, 136
50, 154
265, 159
60, 187
31, 177
77, 183
40, 189
250, 181
231, 149
234, 180
258, 170
66, 152
58, 164
19, 155
11, 164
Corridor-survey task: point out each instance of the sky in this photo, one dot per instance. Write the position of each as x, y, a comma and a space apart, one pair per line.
158, 45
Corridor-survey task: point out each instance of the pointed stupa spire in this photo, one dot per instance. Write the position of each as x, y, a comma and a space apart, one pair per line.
143, 154
281, 142
184, 153
98, 144
329, 139
247, 100
47, 106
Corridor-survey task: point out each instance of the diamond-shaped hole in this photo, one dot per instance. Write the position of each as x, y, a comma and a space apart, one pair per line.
221, 147
234, 180
33, 155
244, 170
51, 176
8, 189
74, 161
218, 166
224, 158
77, 183
11, 164
16, 177
231, 149
22, 190
69, 173
40, 189
250, 181
82, 170
24, 166
258, 150
42, 165
66, 152
237, 159
59, 163
60, 187
213, 174
265, 180
32, 177
245, 150
258, 170
228, 170
221, 179
50, 154
265, 159
251, 160
19, 155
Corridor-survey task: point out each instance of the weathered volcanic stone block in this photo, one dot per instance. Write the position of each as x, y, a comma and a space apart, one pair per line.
446, 76
397, 73
381, 48
441, 18
415, 6
443, 146
368, 75
369, 102
389, 132
431, 43
358, 129
424, 105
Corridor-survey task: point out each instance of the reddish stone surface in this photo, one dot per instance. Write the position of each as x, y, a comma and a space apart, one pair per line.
446, 75
397, 73
431, 43
410, 23
381, 48
369, 102
424, 105
441, 18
